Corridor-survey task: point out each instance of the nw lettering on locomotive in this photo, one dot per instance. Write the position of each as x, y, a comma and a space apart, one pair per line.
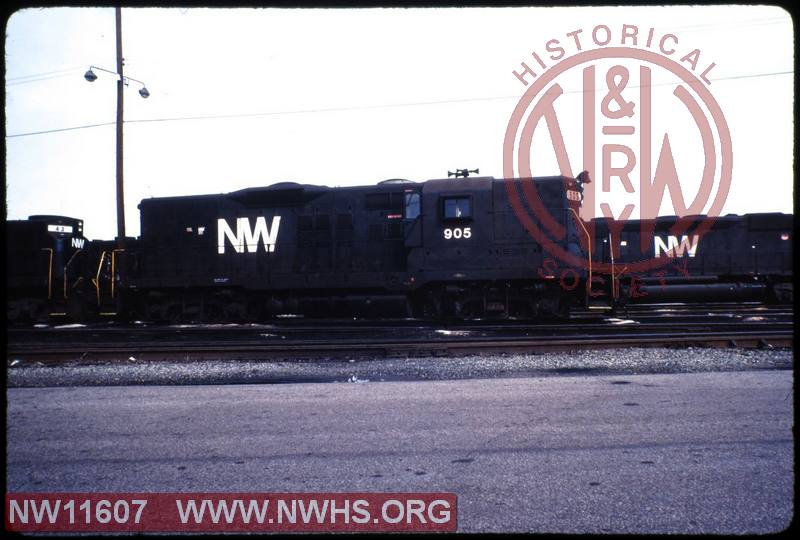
675, 248
246, 236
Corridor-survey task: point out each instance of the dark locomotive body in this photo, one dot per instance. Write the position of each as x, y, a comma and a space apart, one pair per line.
439, 248
47, 266
447, 248
697, 258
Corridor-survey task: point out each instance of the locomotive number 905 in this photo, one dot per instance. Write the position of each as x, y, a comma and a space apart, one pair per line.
457, 232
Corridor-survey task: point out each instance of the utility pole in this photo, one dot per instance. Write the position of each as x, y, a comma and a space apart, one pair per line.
120, 184
121, 261
118, 266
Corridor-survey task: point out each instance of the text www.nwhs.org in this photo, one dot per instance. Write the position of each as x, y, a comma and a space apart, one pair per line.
231, 512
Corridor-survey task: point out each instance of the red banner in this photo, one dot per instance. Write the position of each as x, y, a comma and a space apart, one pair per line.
231, 512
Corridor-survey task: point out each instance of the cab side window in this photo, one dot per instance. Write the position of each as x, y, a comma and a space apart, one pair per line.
455, 208
412, 206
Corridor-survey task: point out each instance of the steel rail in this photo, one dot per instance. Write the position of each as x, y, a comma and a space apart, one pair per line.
87, 334
391, 347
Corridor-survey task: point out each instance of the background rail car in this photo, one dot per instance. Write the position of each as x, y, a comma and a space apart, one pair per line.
738, 258
46, 267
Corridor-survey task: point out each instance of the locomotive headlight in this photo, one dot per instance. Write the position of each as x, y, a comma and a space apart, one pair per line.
785, 236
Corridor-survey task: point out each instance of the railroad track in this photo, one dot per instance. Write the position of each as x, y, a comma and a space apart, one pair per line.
188, 342
712, 311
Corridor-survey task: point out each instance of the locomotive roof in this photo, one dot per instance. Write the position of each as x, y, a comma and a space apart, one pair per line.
767, 220
42, 217
290, 193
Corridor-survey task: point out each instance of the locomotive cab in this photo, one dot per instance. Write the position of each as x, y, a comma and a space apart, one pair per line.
457, 227
478, 259
47, 268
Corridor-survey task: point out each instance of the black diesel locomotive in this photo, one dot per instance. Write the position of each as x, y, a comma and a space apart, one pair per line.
47, 267
739, 258
436, 249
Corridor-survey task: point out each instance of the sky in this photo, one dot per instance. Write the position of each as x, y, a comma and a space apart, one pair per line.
249, 97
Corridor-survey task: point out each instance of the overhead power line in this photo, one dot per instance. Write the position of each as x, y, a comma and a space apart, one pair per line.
352, 108
35, 77
60, 129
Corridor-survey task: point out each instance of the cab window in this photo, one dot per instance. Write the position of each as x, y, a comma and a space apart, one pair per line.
412, 205
457, 208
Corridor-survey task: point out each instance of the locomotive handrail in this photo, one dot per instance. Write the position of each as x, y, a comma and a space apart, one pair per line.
113, 271
588, 244
65, 271
613, 275
49, 274
96, 280
624, 268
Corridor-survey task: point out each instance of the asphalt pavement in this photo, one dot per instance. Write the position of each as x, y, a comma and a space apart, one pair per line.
708, 452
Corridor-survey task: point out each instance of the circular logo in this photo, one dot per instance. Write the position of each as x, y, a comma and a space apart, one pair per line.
675, 142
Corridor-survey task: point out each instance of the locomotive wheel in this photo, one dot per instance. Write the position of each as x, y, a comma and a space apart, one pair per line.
14, 312
76, 308
173, 313
432, 308
154, 313
41, 313
562, 309
213, 313
234, 312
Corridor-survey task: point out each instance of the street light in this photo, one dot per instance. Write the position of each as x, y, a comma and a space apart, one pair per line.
122, 81
91, 77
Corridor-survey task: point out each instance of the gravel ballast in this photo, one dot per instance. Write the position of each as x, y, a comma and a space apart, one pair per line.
131, 371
